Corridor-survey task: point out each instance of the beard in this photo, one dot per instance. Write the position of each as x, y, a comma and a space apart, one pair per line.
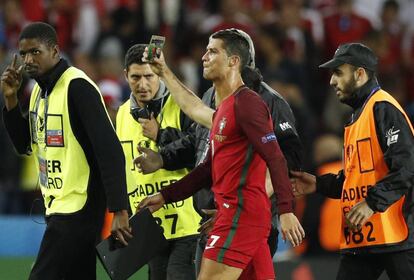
349, 91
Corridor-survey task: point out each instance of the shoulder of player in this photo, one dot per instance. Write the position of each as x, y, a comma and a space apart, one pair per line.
247, 97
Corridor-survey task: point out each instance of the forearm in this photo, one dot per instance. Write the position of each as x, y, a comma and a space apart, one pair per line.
178, 154
197, 179
11, 102
280, 182
188, 101
18, 128
330, 185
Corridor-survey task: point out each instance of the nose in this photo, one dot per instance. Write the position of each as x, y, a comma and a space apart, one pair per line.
27, 58
204, 58
141, 83
332, 81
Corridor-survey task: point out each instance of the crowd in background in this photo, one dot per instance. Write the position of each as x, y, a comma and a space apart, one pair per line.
292, 37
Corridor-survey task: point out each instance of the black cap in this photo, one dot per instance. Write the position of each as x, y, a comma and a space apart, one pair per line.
355, 54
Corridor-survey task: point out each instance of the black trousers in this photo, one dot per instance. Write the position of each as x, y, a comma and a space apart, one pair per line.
176, 262
398, 266
67, 250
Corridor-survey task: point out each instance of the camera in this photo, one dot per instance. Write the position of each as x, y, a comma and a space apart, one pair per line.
143, 113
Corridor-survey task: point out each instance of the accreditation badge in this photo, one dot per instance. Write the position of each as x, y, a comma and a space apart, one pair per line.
54, 131
42, 171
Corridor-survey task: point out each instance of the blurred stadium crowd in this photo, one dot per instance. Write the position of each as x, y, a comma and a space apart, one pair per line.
292, 37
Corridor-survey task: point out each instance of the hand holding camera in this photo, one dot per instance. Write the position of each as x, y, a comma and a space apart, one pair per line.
154, 56
150, 127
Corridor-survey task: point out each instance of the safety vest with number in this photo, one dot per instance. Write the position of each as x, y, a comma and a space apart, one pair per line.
178, 219
63, 167
364, 165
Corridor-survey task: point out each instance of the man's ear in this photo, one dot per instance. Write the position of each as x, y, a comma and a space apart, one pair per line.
126, 74
56, 51
361, 76
233, 60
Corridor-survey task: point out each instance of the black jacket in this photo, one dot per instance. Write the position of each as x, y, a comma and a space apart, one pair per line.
399, 158
180, 153
95, 134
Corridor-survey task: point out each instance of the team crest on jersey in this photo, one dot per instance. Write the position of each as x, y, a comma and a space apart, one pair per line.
219, 136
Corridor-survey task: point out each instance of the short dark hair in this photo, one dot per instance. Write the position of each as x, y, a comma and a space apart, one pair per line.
234, 44
134, 55
40, 31
370, 73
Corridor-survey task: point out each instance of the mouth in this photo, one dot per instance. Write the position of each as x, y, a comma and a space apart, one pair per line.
142, 93
338, 91
30, 69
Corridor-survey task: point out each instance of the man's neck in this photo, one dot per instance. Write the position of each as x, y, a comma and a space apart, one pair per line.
226, 87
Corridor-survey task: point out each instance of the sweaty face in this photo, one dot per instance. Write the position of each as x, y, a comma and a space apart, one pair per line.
37, 56
215, 60
143, 83
344, 82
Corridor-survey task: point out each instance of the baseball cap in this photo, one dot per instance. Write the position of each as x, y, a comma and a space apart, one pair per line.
355, 54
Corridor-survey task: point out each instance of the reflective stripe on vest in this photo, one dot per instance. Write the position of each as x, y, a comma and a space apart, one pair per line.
364, 165
63, 168
178, 219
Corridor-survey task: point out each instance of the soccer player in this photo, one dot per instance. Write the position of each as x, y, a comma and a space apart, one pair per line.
243, 143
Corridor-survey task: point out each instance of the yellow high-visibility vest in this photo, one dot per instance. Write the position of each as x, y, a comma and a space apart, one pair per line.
63, 168
178, 219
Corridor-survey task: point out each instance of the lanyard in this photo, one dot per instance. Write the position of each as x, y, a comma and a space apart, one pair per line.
46, 105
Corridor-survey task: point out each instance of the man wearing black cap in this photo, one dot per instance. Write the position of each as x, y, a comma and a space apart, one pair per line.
376, 184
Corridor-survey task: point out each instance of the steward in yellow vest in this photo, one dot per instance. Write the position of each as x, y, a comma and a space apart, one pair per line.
376, 184
77, 153
144, 121
177, 219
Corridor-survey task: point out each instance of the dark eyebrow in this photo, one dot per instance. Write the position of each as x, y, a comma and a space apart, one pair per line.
29, 50
337, 71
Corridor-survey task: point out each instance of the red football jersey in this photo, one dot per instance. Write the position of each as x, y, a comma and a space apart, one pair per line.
238, 170
243, 143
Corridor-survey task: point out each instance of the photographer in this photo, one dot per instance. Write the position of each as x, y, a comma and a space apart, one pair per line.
143, 121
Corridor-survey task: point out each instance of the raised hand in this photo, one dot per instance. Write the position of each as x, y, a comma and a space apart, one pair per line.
157, 63
11, 80
150, 127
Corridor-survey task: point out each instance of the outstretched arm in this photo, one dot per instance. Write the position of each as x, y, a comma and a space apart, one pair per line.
188, 101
